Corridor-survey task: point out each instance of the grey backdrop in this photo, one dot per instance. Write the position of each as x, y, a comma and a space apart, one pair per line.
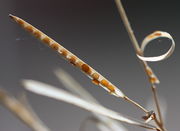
93, 30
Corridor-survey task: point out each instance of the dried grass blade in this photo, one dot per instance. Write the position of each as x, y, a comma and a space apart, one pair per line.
58, 94
153, 36
72, 85
110, 124
103, 126
22, 112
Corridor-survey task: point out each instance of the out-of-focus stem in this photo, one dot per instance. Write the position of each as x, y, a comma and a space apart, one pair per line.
20, 110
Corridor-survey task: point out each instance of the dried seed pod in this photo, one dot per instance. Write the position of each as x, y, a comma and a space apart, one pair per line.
89, 71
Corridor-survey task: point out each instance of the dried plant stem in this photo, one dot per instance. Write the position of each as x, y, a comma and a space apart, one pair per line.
127, 25
156, 102
138, 51
160, 123
62, 95
136, 104
20, 110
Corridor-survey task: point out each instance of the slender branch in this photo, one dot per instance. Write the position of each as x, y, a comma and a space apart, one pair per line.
156, 101
138, 51
158, 123
136, 104
127, 25
161, 124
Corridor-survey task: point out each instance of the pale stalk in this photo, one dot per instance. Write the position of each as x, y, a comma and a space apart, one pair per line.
136, 104
138, 51
161, 124
22, 112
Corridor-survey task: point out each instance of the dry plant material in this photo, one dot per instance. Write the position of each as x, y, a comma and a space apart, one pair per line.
85, 100
140, 51
153, 36
97, 78
66, 54
59, 94
103, 123
22, 111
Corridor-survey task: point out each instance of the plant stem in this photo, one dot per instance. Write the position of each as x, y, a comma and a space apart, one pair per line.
138, 51
156, 101
127, 25
22, 112
136, 104
161, 124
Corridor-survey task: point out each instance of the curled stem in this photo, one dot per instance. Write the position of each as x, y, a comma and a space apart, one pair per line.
139, 51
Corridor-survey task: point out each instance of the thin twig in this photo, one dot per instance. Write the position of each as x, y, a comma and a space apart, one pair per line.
138, 51
136, 104
158, 107
127, 25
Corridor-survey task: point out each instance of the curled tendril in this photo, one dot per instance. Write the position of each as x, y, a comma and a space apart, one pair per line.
149, 38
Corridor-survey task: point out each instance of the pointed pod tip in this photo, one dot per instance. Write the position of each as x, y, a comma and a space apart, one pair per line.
11, 16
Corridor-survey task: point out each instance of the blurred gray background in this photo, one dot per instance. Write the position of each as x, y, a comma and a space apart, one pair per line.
93, 30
